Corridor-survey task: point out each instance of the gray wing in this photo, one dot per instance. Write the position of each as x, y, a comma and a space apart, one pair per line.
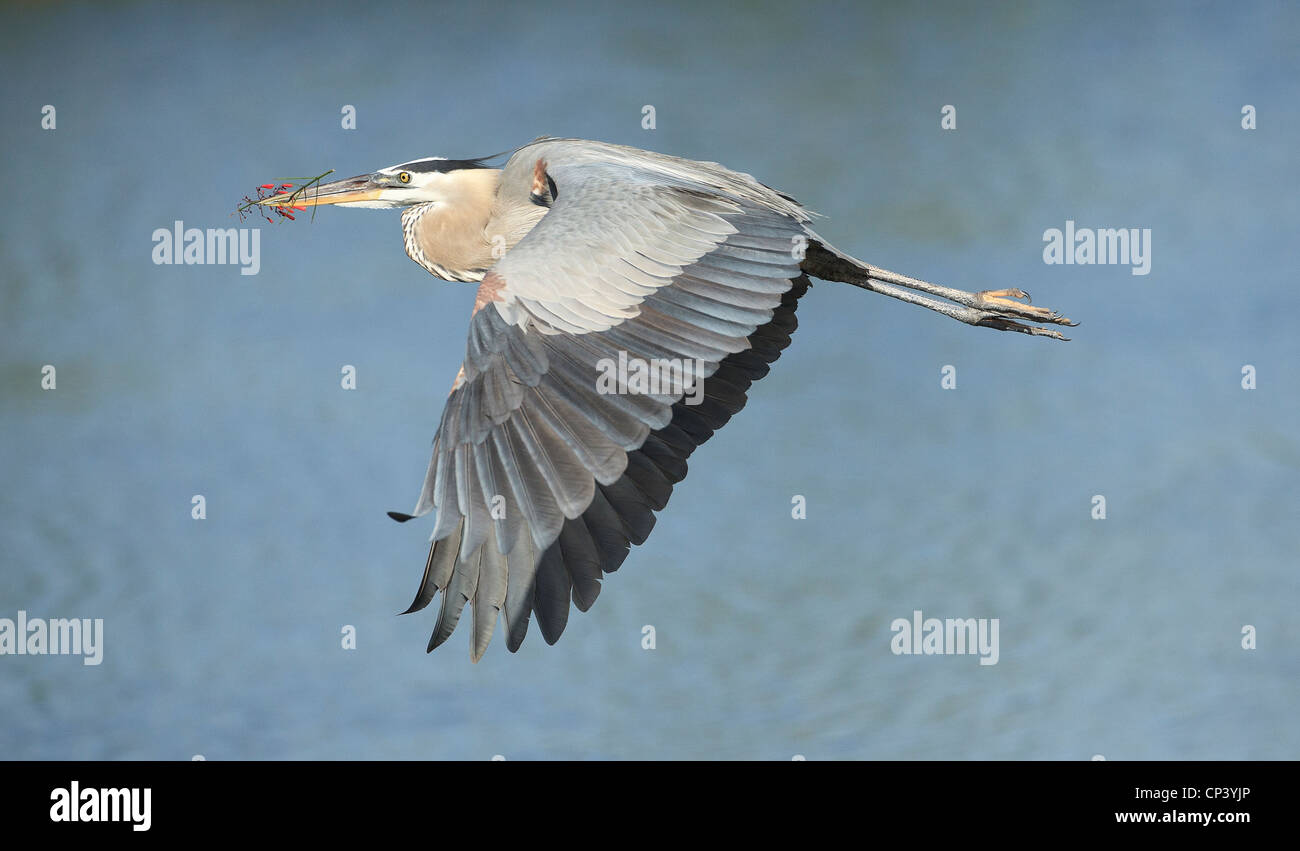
539, 479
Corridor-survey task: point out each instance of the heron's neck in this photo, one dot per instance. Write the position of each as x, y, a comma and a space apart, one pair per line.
450, 237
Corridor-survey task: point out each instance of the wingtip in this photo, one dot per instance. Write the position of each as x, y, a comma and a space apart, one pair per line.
515, 633
416, 605
400, 517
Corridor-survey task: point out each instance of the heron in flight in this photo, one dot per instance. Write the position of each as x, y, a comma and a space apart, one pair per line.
585, 252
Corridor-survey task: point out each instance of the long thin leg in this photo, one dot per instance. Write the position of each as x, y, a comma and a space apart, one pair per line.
990, 308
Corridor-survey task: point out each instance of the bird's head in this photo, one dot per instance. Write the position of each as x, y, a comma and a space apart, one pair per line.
431, 180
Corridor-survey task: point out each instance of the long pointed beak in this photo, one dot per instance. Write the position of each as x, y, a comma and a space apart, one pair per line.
360, 188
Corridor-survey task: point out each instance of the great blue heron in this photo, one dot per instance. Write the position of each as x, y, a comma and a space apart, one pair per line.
585, 252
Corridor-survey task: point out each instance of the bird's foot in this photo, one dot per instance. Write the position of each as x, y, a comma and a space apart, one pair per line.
1004, 308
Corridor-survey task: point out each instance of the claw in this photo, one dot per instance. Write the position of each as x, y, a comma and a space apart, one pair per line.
1009, 325
1003, 303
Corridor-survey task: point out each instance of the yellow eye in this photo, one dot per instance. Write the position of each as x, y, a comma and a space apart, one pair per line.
404, 176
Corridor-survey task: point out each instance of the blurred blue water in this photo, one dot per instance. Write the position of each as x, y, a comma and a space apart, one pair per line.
1119, 637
